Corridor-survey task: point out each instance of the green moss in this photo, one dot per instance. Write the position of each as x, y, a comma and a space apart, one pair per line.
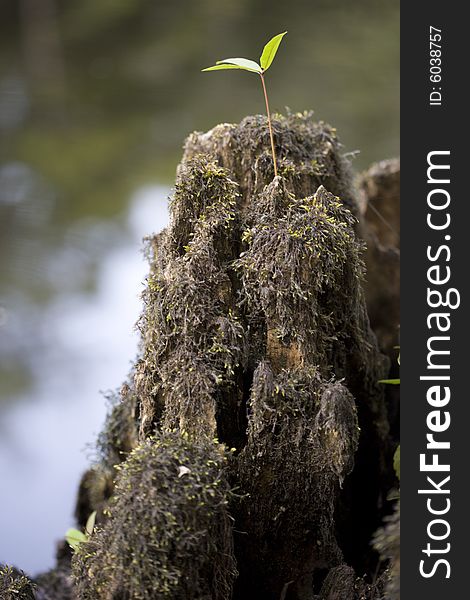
192, 337
302, 268
308, 152
14, 585
205, 198
168, 534
253, 313
302, 436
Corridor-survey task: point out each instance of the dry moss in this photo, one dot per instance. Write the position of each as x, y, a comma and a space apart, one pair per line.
255, 281
254, 331
192, 337
302, 268
15, 585
302, 437
168, 534
309, 154
224, 260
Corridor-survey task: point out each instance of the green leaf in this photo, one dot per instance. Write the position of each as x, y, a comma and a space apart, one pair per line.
390, 381
396, 462
90, 524
242, 63
220, 68
74, 538
270, 50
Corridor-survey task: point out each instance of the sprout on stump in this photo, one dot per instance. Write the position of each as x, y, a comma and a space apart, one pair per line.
266, 60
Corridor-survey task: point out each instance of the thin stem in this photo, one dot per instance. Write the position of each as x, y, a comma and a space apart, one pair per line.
269, 124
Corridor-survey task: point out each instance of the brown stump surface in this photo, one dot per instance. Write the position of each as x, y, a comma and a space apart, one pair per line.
252, 441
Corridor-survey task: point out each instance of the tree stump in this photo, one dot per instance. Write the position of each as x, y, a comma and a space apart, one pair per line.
250, 449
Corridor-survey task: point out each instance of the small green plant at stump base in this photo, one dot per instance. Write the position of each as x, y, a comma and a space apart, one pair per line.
75, 537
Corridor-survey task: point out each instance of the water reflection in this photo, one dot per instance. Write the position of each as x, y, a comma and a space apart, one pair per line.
81, 343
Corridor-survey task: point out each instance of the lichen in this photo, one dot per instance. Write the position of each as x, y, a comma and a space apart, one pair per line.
168, 531
192, 337
302, 436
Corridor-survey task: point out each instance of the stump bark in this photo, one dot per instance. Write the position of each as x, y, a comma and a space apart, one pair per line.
249, 455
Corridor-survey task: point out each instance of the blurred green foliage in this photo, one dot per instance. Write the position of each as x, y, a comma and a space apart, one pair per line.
113, 87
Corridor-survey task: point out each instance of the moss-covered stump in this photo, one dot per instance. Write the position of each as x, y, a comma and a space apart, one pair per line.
256, 345
308, 154
302, 438
15, 585
254, 314
168, 533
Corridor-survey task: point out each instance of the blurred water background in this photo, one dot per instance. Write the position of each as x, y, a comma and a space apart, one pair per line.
96, 97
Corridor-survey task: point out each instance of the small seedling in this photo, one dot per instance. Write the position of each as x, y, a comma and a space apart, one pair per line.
266, 60
75, 537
